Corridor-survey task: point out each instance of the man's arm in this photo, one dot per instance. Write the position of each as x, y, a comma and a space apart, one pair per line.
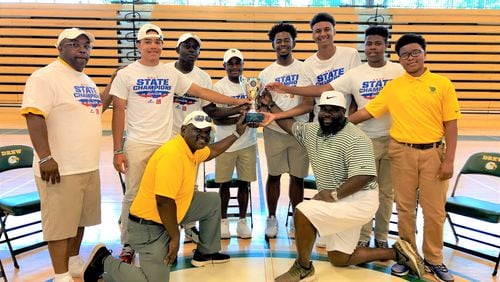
360, 116
117, 128
221, 146
214, 97
168, 214
105, 97
307, 105
37, 128
450, 137
308, 91
286, 123
351, 186
220, 115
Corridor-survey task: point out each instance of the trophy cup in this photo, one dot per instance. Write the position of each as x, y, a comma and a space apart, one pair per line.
253, 87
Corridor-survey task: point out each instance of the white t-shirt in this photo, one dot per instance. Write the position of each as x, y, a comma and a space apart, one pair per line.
72, 107
249, 138
364, 83
149, 94
291, 75
320, 72
184, 104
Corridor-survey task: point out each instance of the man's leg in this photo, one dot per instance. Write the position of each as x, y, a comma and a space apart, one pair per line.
59, 254
75, 242
386, 192
224, 195
272, 193
304, 239
296, 191
243, 187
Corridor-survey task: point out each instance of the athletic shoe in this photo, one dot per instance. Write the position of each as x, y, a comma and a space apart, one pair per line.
405, 254
363, 244
271, 227
399, 269
94, 267
191, 234
224, 229
75, 266
440, 271
381, 244
127, 254
200, 259
297, 273
242, 230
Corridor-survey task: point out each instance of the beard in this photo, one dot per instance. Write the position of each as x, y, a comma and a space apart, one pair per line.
335, 126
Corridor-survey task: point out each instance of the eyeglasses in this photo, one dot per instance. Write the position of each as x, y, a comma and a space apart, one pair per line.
77, 45
200, 118
414, 53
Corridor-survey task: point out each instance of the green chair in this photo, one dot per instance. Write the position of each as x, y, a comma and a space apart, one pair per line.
17, 157
478, 210
210, 183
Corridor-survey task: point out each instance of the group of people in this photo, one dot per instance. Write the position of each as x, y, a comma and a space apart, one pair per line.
171, 112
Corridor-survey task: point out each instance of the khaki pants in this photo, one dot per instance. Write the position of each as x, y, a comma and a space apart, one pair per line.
386, 193
412, 170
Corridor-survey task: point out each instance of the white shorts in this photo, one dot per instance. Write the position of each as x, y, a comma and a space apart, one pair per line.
339, 223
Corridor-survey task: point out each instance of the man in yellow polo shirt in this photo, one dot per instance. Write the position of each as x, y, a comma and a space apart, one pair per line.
166, 198
424, 109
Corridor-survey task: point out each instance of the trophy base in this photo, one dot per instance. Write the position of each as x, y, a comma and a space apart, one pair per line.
254, 117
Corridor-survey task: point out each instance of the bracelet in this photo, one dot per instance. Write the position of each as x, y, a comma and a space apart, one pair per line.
235, 133
44, 160
118, 152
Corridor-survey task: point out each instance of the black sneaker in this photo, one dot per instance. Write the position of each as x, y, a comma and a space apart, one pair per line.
94, 267
381, 244
200, 259
440, 272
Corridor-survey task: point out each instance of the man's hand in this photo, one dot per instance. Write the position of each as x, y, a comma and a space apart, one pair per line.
265, 99
173, 249
49, 171
277, 87
445, 170
268, 118
241, 126
324, 195
120, 163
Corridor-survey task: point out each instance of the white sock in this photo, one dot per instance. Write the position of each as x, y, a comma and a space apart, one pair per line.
75, 259
63, 277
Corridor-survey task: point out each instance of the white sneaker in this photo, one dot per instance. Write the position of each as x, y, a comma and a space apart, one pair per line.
271, 227
242, 230
75, 266
291, 231
224, 229
320, 242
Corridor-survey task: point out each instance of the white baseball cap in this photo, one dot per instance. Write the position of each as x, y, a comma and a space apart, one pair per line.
186, 36
332, 98
230, 53
199, 119
147, 27
72, 33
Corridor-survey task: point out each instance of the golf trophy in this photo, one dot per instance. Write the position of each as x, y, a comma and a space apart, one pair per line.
253, 87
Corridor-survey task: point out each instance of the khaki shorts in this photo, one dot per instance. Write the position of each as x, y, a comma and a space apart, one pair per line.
72, 203
244, 160
284, 154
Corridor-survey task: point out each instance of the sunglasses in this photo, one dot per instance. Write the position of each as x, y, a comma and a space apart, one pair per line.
76, 45
200, 118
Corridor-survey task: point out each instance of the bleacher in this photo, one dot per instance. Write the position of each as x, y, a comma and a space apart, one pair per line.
464, 45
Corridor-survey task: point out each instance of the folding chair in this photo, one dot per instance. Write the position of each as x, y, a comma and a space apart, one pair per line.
16, 157
210, 183
477, 210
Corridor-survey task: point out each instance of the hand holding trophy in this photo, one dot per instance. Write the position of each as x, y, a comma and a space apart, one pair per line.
252, 87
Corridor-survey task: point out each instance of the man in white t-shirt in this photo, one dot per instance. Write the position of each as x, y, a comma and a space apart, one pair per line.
364, 83
63, 108
242, 154
145, 88
188, 48
283, 152
331, 61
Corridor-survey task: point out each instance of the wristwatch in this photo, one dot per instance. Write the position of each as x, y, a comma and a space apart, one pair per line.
333, 194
